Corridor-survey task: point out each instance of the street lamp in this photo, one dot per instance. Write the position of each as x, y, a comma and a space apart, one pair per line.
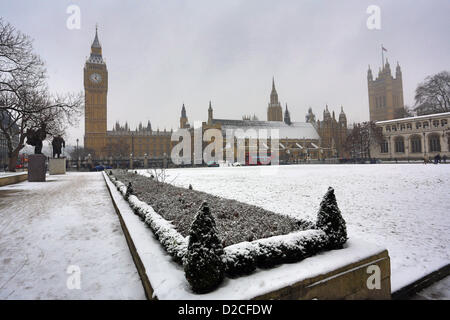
78, 157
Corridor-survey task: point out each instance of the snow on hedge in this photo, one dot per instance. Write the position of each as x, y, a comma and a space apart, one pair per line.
173, 242
236, 221
203, 265
244, 257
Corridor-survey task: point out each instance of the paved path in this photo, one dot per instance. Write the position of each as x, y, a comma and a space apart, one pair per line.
67, 221
437, 291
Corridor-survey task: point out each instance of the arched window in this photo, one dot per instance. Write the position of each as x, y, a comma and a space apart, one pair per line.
399, 145
435, 143
416, 144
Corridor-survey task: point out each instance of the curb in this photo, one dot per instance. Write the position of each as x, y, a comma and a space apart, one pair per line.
134, 254
13, 179
408, 291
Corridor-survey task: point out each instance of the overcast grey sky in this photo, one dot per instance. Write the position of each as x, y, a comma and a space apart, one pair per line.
160, 54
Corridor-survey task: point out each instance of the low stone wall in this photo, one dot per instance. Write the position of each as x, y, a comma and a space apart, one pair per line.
15, 178
346, 283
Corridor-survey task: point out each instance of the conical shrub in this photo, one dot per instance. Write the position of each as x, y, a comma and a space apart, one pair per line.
203, 265
129, 192
330, 220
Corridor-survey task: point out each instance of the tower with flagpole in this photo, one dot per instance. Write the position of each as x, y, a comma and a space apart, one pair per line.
385, 91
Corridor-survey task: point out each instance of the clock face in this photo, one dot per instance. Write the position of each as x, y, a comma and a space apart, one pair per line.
95, 77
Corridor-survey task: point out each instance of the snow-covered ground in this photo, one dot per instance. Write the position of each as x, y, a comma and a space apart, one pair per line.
68, 220
404, 207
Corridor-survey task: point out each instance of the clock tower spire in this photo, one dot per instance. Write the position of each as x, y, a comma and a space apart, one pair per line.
95, 88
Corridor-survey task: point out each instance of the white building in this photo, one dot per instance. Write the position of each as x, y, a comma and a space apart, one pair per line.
415, 137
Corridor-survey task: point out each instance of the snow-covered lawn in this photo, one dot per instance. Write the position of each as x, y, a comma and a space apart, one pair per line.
404, 207
69, 220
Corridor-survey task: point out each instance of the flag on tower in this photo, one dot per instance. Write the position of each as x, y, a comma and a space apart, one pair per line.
383, 48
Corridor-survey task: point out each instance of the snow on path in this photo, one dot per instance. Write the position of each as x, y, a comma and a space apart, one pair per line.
437, 291
403, 207
68, 220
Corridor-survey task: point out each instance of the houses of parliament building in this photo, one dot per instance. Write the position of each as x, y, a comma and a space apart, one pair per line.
311, 139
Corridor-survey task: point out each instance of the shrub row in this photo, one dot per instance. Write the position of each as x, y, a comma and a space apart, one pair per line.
243, 258
172, 241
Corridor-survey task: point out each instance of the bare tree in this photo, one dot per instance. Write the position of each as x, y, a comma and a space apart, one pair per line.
433, 95
405, 112
81, 153
158, 174
25, 102
117, 150
361, 138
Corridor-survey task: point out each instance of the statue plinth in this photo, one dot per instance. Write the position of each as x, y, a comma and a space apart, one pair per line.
57, 166
36, 168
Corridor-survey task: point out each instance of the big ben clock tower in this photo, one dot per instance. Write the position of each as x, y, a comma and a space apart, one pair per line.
95, 88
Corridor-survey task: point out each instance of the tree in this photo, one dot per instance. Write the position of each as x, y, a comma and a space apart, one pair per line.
329, 219
81, 153
203, 265
433, 95
405, 112
24, 97
361, 138
117, 150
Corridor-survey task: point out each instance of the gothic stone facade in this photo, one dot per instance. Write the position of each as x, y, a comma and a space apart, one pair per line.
421, 137
413, 138
298, 140
333, 133
385, 94
121, 141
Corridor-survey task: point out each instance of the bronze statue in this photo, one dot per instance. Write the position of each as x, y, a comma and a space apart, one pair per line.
35, 137
57, 143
